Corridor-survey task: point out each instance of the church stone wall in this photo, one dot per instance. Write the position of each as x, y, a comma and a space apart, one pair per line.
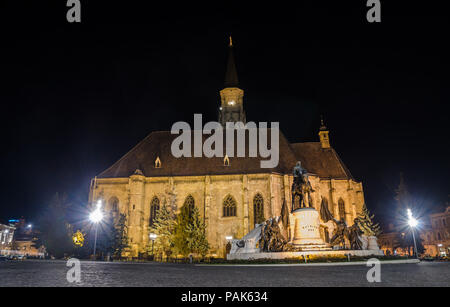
136, 193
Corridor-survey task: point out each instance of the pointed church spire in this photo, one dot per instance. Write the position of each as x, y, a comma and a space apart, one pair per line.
231, 96
231, 78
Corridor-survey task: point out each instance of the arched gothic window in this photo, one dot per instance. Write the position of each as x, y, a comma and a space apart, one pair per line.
341, 206
229, 206
154, 207
114, 204
190, 203
258, 209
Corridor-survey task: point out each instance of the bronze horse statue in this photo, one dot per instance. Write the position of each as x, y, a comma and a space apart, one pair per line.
301, 188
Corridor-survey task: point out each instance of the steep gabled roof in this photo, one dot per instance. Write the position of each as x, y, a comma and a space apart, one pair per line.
324, 163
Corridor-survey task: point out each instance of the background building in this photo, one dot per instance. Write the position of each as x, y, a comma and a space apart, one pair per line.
434, 232
6, 238
437, 237
19, 238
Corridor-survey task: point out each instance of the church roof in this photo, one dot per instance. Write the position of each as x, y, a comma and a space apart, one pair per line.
323, 162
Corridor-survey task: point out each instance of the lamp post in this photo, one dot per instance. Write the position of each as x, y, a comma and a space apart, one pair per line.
153, 237
96, 217
413, 223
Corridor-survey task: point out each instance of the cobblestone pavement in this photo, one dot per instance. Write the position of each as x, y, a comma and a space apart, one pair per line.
53, 273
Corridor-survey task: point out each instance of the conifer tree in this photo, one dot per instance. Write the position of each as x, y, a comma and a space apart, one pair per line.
190, 232
55, 230
180, 234
163, 226
366, 224
402, 197
105, 235
196, 232
120, 237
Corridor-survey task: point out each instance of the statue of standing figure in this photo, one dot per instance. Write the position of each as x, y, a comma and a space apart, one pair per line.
271, 238
301, 188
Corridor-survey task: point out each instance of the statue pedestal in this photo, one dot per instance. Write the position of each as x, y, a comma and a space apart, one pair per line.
372, 243
306, 230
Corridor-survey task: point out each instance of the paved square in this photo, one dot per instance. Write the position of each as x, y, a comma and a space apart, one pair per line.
53, 273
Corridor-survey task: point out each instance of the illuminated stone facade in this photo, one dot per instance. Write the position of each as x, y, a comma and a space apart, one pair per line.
135, 194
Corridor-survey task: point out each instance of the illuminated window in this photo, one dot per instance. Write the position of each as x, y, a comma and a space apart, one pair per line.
226, 161
229, 206
154, 207
258, 209
157, 162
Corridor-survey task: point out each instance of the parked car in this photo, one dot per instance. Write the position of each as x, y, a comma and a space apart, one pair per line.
3, 258
17, 257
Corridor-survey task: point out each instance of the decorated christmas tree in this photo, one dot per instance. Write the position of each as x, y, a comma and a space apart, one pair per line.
120, 243
366, 224
163, 226
190, 232
197, 242
180, 234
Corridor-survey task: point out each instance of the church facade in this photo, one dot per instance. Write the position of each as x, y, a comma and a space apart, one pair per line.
232, 194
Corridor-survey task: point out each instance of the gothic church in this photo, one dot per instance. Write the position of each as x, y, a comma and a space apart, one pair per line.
232, 194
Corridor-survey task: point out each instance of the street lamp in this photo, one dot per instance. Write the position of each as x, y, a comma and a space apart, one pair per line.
153, 237
96, 217
413, 223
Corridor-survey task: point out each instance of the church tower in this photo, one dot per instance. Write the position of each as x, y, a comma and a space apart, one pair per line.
232, 105
324, 135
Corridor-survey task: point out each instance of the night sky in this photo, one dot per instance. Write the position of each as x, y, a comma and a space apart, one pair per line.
77, 97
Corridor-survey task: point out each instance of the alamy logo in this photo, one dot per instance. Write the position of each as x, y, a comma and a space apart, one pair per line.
214, 147
74, 273
74, 13
374, 274
374, 13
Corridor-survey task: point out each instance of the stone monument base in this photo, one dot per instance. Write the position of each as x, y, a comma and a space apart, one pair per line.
313, 247
318, 253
